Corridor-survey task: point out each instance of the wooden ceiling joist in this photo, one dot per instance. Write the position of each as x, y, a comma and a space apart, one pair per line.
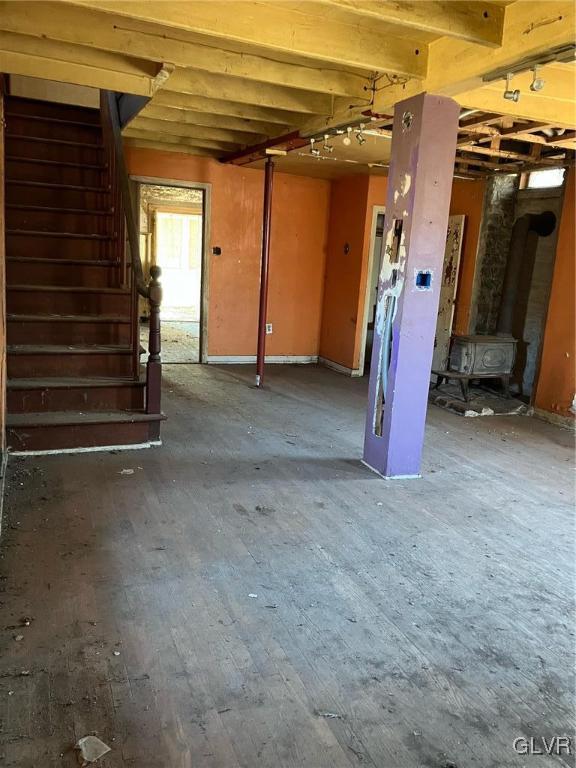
225, 108
503, 153
82, 26
49, 60
192, 131
513, 168
168, 147
476, 22
277, 28
247, 92
189, 117
220, 147
229, 76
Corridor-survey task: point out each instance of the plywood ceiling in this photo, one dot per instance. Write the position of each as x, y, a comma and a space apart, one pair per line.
224, 75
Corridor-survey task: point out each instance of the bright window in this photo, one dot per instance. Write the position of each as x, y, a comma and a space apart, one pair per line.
551, 177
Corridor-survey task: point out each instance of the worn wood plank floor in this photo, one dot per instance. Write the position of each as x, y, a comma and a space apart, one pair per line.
272, 603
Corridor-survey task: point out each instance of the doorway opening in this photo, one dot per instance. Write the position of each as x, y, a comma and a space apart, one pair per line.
172, 225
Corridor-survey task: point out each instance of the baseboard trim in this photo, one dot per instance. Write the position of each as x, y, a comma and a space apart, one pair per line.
566, 422
355, 372
273, 359
91, 449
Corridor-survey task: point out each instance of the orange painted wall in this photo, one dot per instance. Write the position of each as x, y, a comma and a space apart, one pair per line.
467, 199
556, 386
300, 210
345, 282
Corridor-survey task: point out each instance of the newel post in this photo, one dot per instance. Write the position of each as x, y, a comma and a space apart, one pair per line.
154, 364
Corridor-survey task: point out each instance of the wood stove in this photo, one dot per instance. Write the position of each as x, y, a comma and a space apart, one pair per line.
483, 355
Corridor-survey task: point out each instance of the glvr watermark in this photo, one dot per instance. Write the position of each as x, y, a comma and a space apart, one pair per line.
541, 745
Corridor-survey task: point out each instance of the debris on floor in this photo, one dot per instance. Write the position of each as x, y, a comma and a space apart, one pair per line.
482, 402
126, 472
91, 749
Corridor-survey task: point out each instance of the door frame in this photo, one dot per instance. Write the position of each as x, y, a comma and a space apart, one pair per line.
376, 210
206, 190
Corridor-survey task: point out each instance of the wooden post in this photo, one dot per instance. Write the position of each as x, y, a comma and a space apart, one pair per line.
266, 223
154, 364
418, 201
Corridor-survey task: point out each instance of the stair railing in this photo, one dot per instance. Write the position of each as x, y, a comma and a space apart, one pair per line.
151, 289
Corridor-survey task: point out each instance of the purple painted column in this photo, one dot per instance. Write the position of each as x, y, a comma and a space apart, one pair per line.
417, 206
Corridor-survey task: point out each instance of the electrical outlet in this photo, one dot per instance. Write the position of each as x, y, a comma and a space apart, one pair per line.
268, 328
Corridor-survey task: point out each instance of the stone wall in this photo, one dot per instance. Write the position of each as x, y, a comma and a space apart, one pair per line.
496, 231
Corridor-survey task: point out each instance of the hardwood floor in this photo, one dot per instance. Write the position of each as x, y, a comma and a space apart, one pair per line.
251, 596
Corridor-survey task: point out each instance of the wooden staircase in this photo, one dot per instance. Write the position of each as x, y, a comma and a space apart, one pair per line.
74, 374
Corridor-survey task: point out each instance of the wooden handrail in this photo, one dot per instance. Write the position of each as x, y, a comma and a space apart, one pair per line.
111, 118
151, 290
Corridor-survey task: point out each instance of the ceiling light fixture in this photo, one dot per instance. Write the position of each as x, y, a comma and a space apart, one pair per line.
360, 138
326, 146
563, 54
347, 140
509, 94
537, 82
313, 150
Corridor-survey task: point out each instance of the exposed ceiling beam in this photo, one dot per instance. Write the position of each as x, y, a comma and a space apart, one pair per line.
476, 22
482, 132
187, 117
229, 108
506, 154
462, 170
273, 27
456, 68
539, 107
193, 131
247, 92
171, 147
513, 168
49, 60
566, 140
524, 132
149, 135
82, 26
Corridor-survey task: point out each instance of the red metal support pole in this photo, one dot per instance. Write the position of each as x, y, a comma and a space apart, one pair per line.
266, 222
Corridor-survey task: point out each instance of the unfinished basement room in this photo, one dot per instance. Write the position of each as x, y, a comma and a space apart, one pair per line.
287, 383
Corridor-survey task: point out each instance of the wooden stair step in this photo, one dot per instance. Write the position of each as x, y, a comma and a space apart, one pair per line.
52, 150
52, 272
66, 430
54, 128
49, 233
72, 382
78, 417
58, 185
68, 289
45, 140
40, 360
53, 260
68, 330
67, 349
56, 209
67, 300
57, 120
26, 395
58, 195
58, 163
26, 105
68, 318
